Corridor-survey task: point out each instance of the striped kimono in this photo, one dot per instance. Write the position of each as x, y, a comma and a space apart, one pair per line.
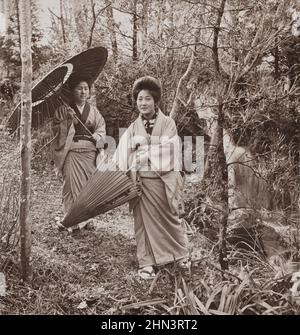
160, 237
76, 160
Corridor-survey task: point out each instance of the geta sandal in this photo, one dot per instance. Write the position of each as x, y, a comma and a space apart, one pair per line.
146, 272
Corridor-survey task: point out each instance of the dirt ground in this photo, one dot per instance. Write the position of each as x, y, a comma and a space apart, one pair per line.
95, 271
92, 272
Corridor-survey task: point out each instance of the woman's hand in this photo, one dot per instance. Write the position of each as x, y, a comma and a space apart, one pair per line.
100, 144
142, 156
65, 113
96, 137
71, 113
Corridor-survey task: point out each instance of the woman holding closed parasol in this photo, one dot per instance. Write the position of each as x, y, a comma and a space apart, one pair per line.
152, 146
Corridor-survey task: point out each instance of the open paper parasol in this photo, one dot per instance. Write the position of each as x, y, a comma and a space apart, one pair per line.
53, 90
104, 191
44, 97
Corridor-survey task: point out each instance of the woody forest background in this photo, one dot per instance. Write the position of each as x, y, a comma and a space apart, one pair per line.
230, 73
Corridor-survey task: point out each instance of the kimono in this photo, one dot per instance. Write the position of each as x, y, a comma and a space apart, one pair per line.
74, 152
160, 237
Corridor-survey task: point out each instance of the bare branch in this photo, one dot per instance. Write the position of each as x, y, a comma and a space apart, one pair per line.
260, 47
255, 171
102, 10
62, 21
93, 24
201, 3
123, 34
126, 12
178, 95
179, 46
51, 12
216, 8
111, 24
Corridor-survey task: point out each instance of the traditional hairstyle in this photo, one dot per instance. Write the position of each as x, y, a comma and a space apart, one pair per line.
74, 80
147, 83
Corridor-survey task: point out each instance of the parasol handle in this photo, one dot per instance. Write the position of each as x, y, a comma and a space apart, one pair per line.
66, 105
84, 126
77, 118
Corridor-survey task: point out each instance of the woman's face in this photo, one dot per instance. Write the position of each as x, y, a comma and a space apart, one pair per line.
145, 103
81, 92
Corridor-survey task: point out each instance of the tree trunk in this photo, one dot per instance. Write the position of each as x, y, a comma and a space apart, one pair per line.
220, 80
18, 24
159, 23
170, 53
179, 96
95, 16
223, 175
221, 166
215, 47
80, 23
112, 30
25, 138
276, 60
211, 150
6, 11
160, 19
62, 21
134, 32
144, 28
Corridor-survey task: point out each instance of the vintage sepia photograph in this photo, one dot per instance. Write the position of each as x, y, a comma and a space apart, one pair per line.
149, 160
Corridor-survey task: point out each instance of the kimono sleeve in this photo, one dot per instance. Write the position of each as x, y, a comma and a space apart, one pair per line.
170, 128
166, 156
100, 126
123, 154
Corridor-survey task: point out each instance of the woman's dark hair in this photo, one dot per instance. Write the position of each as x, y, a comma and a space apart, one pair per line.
147, 83
74, 80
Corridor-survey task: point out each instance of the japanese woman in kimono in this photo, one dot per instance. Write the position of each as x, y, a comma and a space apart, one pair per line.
74, 149
150, 149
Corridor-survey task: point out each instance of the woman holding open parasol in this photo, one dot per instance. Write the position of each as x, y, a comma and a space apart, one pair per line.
152, 146
79, 129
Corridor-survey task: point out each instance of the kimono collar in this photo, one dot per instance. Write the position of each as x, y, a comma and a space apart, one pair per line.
157, 130
149, 123
86, 111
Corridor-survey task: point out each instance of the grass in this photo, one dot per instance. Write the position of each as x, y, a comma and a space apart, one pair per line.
96, 271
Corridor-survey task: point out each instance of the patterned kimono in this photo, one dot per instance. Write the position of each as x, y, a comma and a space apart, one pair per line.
74, 151
160, 236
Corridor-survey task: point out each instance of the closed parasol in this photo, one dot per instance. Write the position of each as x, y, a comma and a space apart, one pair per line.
104, 191
53, 89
